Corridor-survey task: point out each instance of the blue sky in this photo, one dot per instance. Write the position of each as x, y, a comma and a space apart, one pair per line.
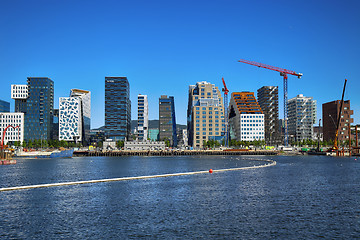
165, 46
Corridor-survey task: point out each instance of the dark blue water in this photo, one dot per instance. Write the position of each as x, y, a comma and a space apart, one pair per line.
299, 198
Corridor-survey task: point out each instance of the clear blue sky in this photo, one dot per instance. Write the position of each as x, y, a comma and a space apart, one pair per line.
165, 46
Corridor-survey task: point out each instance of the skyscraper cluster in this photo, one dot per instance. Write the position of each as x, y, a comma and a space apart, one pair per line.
250, 118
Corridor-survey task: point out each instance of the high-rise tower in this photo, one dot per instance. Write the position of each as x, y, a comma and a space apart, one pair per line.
39, 108
205, 114
117, 108
167, 120
302, 117
268, 98
143, 117
74, 116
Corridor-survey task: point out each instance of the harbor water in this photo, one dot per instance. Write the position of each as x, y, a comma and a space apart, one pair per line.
301, 197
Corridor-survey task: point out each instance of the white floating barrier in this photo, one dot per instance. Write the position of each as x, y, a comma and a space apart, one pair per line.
272, 163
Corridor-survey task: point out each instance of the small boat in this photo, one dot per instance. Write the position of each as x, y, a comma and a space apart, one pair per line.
68, 153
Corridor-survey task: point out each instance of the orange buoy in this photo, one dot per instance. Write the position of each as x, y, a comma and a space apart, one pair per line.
210, 171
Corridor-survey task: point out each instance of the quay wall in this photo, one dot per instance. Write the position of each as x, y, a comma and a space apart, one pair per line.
169, 153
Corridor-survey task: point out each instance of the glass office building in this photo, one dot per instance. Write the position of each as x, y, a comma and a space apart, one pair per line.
39, 108
4, 106
167, 120
117, 108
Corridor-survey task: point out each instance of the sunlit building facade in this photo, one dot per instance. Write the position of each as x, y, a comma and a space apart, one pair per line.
205, 114
246, 119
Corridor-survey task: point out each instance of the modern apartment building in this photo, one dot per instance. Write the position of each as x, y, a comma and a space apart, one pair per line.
167, 120
246, 119
117, 108
330, 114
39, 108
143, 117
205, 114
301, 117
20, 94
268, 98
14, 133
4, 106
85, 99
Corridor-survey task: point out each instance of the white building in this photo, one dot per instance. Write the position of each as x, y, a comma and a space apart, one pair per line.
246, 118
14, 133
301, 117
70, 127
85, 98
144, 145
74, 116
143, 117
19, 91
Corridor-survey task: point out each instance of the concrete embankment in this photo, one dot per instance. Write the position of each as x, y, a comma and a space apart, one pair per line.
171, 153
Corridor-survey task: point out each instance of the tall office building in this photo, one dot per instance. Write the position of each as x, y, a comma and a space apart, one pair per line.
14, 133
117, 108
205, 114
246, 119
85, 99
4, 106
20, 94
143, 117
330, 113
70, 124
39, 108
167, 120
268, 98
301, 117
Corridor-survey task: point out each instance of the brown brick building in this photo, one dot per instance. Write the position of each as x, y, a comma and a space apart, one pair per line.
331, 112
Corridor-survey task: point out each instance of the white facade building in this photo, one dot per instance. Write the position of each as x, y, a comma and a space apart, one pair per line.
144, 145
70, 119
143, 117
248, 127
75, 115
246, 118
301, 117
19, 91
12, 134
85, 98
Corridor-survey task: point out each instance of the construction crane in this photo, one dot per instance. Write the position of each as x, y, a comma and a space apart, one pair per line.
284, 73
226, 108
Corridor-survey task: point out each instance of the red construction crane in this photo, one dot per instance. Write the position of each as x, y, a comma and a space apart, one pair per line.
284, 73
226, 91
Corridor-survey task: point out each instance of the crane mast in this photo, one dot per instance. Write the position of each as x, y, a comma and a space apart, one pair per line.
284, 73
226, 109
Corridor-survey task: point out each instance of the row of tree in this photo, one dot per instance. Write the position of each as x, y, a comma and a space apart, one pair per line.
45, 144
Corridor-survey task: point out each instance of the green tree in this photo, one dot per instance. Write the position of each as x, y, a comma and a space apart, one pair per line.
30, 144
120, 144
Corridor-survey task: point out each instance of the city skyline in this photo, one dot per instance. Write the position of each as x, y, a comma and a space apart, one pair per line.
161, 52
